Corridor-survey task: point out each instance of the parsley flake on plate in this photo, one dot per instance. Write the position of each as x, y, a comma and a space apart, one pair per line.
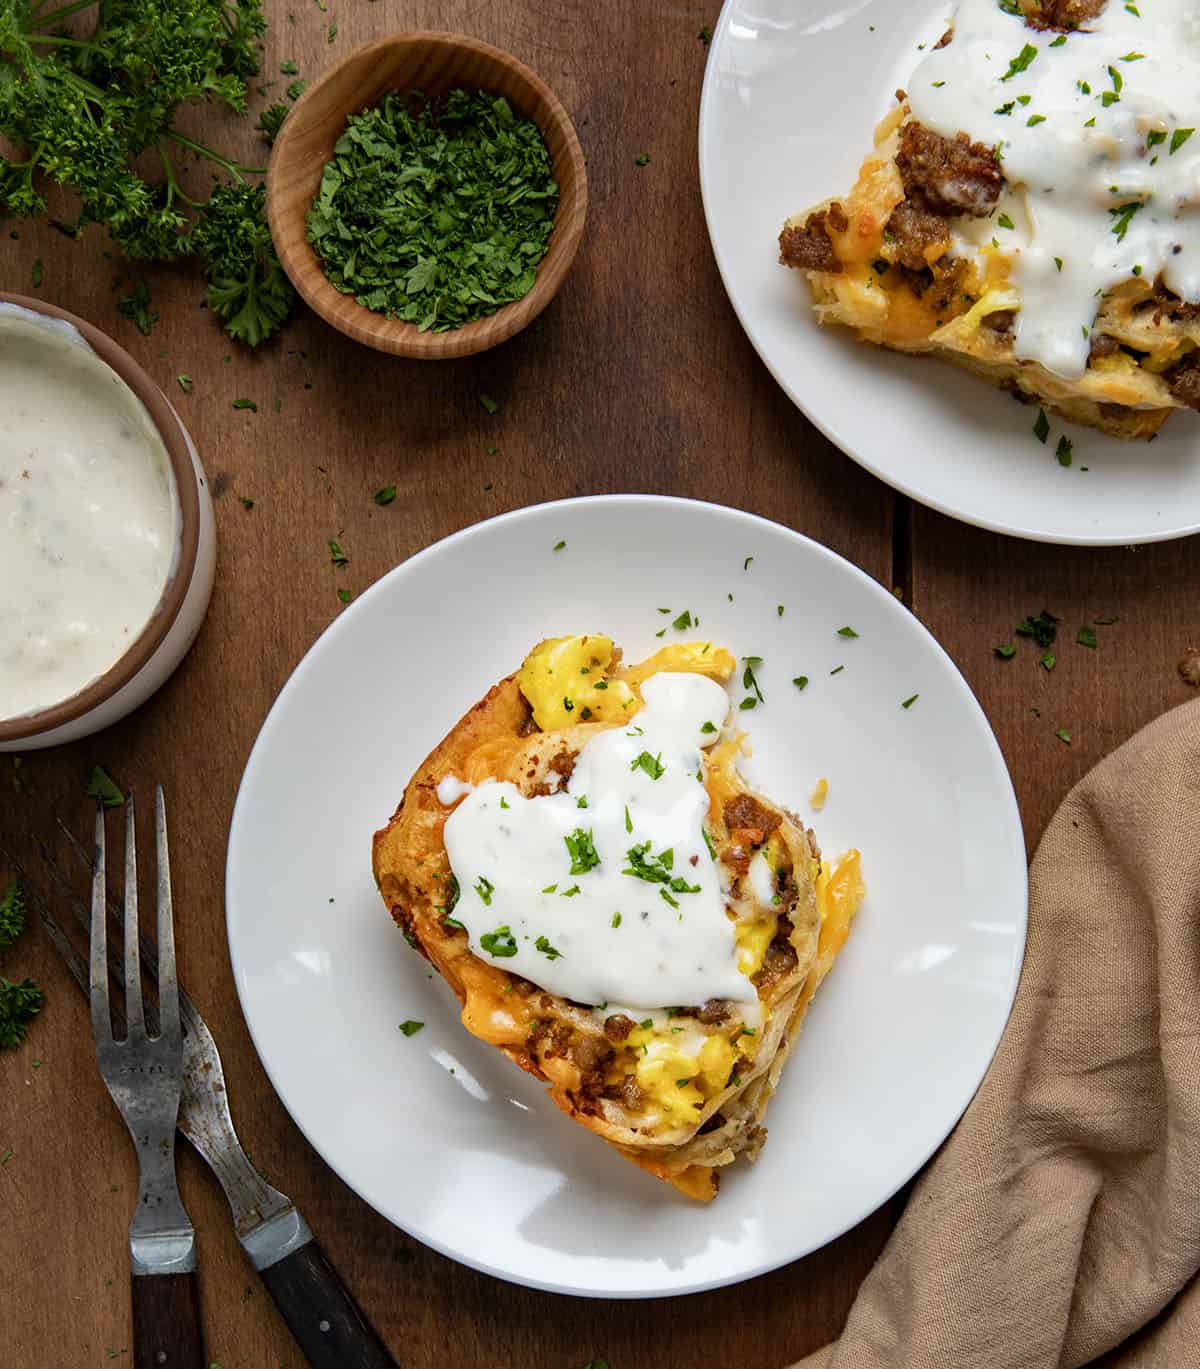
410, 1027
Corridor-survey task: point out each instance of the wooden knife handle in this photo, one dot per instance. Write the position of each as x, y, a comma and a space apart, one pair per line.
166, 1322
326, 1321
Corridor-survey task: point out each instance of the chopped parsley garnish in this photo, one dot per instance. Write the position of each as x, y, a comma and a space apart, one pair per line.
543, 944
20, 1003
1043, 628
1179, 137
1048, 661
746, 563
837, 670
683, 622
657, 869
1086, 636
1058, 261
136, 306
801, 681
490, 404
1041, 426
1021, 62
558, 546
616, 919
642, 159
628, 820
485, 888
435, 211
384, 496
453, 922
750, 680
581, 801
344, 595
748, 703
846, 632
708, 728
185, 383
1006, 108
652, 765
503, 802
674, 902
1005, 222
568, 704
411, 1028
908, 703
571, 892
550, 889
246, 404
582, 851
1006, 651
1063, 736
1106, 622
102, 786
12, 914
1123, 216
708, 841
1034, 120
499, 944
1063, 451
336, 554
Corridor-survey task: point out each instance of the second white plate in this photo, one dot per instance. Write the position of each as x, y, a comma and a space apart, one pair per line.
439, 1131
791, 97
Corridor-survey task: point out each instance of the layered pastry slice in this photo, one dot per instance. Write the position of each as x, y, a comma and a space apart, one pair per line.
1029, 211
616, 910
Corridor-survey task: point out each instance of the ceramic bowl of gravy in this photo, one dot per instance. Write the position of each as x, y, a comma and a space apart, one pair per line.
107, 539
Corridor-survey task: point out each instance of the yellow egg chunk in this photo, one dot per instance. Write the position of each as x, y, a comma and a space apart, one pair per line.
664, 1073
716, 1061
563, 680
753, 936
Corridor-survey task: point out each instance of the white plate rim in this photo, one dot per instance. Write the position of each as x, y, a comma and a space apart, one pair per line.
829, 430
1012, 818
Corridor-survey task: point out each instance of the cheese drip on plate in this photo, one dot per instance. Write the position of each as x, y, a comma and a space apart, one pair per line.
607, 891
1094, 130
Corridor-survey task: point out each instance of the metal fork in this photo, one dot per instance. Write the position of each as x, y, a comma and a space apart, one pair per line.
144, 1075
318, 1308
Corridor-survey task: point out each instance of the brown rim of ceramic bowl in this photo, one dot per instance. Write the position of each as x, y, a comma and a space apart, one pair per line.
187, 500
434, 62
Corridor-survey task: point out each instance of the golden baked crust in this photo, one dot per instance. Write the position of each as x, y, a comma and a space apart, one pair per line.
588, 1061
1143, 340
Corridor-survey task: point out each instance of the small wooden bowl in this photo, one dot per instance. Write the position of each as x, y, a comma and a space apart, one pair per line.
433, 63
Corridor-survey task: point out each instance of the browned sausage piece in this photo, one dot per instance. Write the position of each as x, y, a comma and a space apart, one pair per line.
912, 228
809, 248
955, 175
618, 1026
1184, 381
744, 810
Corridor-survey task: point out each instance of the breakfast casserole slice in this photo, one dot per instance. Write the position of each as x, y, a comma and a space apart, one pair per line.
1029, 212
615, 909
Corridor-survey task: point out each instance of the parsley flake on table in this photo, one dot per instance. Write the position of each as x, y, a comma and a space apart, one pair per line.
384, 496
136, 307
336, 554
246, 404
1086, 636
1042, 627
1063, 736
345, 595
1006, 651
436, 212
185, 383
102, 786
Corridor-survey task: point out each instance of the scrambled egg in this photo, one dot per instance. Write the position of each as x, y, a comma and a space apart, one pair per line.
566, 682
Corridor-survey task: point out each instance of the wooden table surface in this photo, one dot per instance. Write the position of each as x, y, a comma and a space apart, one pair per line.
638, 378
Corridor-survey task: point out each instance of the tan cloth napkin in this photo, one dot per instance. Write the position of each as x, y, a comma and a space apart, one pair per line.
1060, 1224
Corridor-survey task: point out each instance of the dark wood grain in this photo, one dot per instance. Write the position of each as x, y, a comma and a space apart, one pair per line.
166, 1322
328, 1325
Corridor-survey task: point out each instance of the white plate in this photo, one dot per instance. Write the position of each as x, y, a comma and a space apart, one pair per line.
793, 91
441, 1133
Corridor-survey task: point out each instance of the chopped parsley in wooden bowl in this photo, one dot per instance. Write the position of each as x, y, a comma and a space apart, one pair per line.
427, 195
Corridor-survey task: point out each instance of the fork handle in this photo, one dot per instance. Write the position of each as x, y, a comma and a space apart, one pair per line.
166, 1322
328, 1324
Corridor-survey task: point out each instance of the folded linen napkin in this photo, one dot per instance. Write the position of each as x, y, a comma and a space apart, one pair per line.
1060, 1224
